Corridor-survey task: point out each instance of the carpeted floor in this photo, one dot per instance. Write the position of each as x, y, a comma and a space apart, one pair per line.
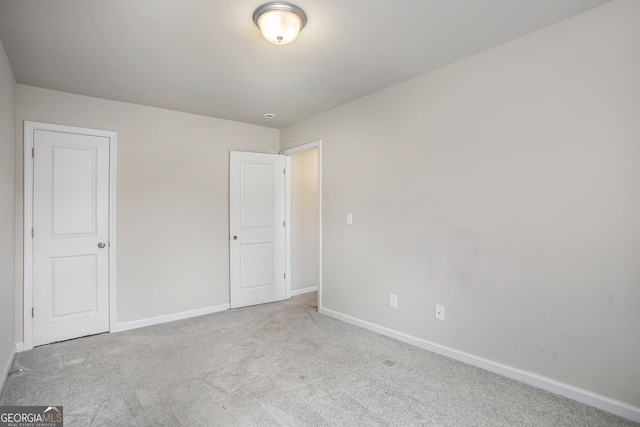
309, 298
275, 364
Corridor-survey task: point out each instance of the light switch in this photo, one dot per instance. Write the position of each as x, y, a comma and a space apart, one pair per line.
349, 218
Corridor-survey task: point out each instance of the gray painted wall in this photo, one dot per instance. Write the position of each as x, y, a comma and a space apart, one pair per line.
172, 202
504, 187
7, 185
304, 220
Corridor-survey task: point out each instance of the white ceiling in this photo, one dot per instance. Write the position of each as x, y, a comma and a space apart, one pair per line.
207, 57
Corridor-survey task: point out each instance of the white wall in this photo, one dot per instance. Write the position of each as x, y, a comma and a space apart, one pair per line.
7, 185
172, 202
505, 187
304, 220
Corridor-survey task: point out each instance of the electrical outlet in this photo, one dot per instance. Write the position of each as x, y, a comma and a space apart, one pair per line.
439, 312
393, 300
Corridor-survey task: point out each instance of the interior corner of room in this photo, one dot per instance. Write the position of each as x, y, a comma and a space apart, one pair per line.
503, 187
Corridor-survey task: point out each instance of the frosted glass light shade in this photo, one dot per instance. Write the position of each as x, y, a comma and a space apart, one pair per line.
279, 26
279, 22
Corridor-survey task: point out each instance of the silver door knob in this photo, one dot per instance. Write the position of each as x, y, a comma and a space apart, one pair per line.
101, 245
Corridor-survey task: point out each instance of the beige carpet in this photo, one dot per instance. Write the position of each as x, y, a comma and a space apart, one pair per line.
281, 364
310, 299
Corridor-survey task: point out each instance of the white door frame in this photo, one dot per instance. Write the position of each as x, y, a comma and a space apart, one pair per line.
289, 152
29, 129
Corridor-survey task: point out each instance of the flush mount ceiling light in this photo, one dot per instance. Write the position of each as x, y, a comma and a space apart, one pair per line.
280, 22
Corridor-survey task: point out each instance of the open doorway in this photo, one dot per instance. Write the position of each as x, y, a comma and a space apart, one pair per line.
304, 224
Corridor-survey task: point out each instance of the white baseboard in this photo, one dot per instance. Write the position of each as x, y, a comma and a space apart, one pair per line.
613, 406
135, 324
304, 290
5, 371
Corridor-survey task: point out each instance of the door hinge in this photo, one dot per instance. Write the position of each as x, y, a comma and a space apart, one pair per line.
32, 312
33, 152
284, 223
33, 233
284, 171
285, 275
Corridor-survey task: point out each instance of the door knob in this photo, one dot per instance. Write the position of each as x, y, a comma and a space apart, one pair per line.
101, 245
235, 237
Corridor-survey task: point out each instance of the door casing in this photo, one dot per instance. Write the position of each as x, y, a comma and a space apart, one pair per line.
29, 128
289, 152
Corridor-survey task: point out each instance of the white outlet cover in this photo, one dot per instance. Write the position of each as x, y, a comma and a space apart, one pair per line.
439, 312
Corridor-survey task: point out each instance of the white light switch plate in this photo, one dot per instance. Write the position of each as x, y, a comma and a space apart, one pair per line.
349, 218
